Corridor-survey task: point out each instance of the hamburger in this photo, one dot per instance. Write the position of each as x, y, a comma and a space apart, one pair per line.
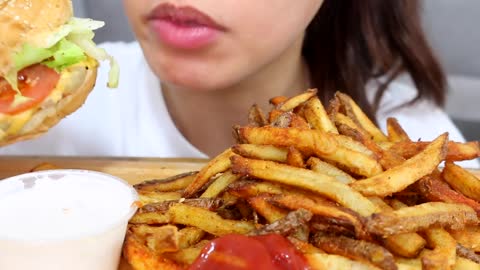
48, 65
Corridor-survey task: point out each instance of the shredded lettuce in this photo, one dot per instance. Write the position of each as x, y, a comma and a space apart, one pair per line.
68, 46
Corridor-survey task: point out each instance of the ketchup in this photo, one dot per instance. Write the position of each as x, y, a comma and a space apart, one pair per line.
240, 252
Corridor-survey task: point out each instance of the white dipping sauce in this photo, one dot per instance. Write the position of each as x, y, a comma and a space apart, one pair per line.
64, 219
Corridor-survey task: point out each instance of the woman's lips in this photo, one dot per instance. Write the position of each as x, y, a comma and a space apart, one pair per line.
183, 27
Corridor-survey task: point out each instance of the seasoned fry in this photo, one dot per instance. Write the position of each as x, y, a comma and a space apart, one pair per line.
336, 262
287, 224
275, 101
295, 101
151, 218
355, 249
295, 158
256, 117
354, 112
317, 116
455, 151
437, 190
219, 164
306, 179
395, 132
189, 236
143, 258
158, 197
320, 166
173, 183
220, 184
265, 152
465, 264
443, 255
408, 264
462, 181
162, 207
398, 178
468, 237
312, 142
207, 220
468, 253
270, 212
420, 217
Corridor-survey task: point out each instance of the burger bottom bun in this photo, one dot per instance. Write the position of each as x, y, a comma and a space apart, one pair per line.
80, 84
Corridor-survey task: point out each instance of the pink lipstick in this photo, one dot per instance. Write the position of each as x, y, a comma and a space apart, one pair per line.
183, 27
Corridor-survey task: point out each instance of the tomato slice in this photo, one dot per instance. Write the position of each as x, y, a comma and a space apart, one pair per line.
35, 82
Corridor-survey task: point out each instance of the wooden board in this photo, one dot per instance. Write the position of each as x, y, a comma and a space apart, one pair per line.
133, 170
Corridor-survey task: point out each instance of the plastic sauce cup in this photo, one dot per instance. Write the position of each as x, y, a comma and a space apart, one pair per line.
64, 219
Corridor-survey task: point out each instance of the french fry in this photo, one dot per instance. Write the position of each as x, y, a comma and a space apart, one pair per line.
295, 158
407, 245
275, 101
157, 197
160, 239
287, 224
220, 184
444, 254
173, 183
408, 264
398, 178
320, 166
207, 220
322, 208
303, 246
317, 116
468, 254
151, 218
189, 236
335, 262
462, 181
309, 142
435, 189
319, 183
354, 112
355, 249
469, 237
395, 132
265, 152
219, 164
465, 264
185, 257
455, 151
256, 117
296, 101
270, 212
421, 217
353, 145
143, 258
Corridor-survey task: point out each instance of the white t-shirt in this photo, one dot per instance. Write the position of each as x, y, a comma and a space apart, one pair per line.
133, 121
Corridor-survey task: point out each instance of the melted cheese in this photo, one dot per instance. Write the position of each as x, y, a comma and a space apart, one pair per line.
13, 124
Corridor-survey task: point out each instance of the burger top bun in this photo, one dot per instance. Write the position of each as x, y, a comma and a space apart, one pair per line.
29, 21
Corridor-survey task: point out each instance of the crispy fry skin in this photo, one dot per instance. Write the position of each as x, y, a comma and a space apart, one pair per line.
158, 197
312, 142
265, 152
306, 179
398, 178
320, 166
468, 253
455, 151
151, 218
219, 185
189, 236
173, 183
323, 208
256, 117
297, 100
395, 131
335, 262
206, 203
287, 224
443, 255
219, 164
462, 181
353, 111
355, 249
317, 116
142, 258
436, 190
207, 220
295, 158
420, 217
270, 212
406, 244
468, 237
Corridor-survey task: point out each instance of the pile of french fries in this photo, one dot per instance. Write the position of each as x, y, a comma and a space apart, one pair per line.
346, 195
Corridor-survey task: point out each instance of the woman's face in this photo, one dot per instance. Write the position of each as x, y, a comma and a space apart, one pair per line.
210, 44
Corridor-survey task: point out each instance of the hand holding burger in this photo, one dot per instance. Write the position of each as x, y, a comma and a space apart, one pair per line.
48, 65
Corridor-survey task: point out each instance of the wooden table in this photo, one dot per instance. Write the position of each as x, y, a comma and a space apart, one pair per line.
133, 170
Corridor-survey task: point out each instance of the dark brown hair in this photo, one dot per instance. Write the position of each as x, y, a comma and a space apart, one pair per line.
350, 42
